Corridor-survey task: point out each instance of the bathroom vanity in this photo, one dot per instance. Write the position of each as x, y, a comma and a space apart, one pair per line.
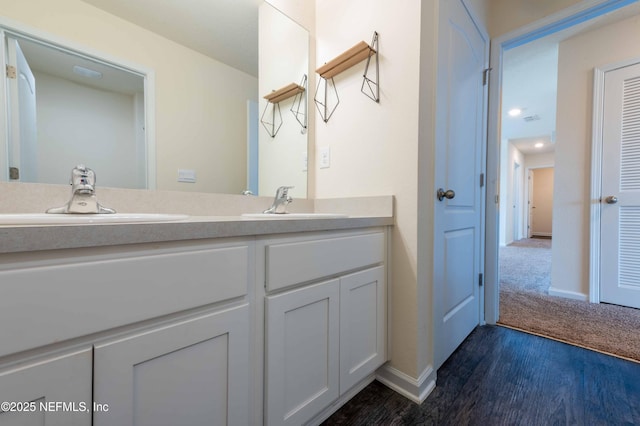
235, 320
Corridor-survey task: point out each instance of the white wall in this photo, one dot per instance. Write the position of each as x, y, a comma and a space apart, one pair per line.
508, 15
577, 58
545, 159
374, 146
283, 59
200, 102
304, 13
81, 125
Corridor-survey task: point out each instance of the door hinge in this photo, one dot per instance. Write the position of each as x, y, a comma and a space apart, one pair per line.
498, 199
11, 71
481, 180
485, 76
480, 280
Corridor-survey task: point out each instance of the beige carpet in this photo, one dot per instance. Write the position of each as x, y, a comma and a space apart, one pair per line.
602, 327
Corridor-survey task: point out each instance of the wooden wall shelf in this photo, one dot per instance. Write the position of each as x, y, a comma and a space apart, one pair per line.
346, 60
324, 100
286, 92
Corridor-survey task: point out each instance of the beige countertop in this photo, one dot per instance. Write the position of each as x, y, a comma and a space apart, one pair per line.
210, 216
21, 238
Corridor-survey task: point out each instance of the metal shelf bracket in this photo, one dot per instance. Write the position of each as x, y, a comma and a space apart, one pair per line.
373, 88
272, 124
299, 107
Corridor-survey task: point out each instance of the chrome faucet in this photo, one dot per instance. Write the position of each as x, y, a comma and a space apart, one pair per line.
281, 200
83, 193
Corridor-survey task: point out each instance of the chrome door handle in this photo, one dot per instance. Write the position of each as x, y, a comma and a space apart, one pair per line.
611, 199
448, 194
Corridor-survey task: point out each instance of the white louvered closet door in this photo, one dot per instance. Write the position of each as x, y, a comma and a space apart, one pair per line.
620, 212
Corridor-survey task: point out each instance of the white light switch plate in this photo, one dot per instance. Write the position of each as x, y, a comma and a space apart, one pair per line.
325, 157
185, 175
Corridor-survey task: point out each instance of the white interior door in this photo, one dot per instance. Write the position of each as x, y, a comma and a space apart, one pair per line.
542, 202
460, 139
23, 148
620, 208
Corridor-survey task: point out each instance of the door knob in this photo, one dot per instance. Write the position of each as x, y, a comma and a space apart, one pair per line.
448, 194
611, 199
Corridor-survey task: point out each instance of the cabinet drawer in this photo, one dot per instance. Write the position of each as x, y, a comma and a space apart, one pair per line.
302, 261
65, 298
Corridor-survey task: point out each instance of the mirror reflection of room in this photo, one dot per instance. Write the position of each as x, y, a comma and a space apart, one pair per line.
186, 119
73, 110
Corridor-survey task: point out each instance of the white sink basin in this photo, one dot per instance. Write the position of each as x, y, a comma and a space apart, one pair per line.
294, 215
75, 219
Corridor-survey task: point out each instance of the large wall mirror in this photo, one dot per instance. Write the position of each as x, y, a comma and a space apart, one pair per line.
148, 107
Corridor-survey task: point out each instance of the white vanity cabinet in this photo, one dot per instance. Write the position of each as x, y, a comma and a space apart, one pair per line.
33, 391
165, 330
325, 320
275, 329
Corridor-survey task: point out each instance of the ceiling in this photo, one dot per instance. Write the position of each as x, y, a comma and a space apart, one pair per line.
57, 62
226, 30
529, 82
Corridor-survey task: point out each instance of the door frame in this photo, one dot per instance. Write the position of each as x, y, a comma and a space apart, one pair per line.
516, 194
596, 173
565, 18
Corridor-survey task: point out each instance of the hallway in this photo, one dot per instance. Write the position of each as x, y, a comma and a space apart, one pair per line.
525, 265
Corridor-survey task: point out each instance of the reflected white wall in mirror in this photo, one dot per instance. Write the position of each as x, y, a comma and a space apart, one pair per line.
73, 110
200, 103
283, 59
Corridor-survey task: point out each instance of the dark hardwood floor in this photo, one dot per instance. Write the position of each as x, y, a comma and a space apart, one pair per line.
500, 376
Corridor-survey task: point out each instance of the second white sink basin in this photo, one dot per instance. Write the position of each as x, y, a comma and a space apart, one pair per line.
294, 215
76, 219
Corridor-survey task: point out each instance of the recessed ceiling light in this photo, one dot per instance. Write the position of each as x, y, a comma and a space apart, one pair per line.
539, 145
514, 112
86, 72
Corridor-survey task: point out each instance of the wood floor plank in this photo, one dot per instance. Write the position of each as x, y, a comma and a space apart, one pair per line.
500, 376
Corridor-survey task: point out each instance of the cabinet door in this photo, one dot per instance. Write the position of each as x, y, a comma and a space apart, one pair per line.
56, 391
302, 372
194, 372
362, 325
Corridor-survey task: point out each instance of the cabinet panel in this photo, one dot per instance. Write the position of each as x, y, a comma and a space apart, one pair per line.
193, 372
302, 261
302, 337
362, 325
68, 298
64, 379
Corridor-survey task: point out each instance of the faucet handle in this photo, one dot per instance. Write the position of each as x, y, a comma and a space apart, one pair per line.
280, 201
283, 191
83, 179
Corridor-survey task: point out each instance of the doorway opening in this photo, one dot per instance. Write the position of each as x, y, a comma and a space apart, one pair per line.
559, 28
527, 160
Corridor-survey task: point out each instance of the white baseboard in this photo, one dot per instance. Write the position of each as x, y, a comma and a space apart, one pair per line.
568, 294
417, 390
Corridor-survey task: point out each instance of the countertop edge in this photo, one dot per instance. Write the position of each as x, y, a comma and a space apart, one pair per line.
15, 239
